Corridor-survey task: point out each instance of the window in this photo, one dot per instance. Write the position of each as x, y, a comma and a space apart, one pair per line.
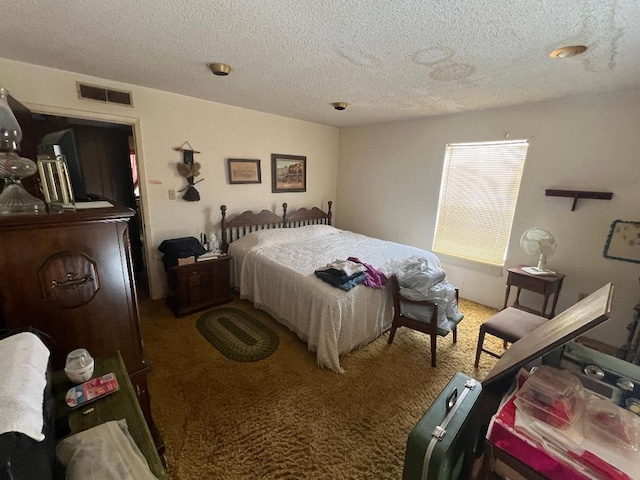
478, 195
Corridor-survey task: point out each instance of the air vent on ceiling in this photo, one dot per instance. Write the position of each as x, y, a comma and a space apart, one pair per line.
102, 94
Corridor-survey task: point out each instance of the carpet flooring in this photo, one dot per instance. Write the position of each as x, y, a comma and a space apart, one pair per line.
283, 417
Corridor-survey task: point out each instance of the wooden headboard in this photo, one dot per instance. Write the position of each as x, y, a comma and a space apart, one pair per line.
248, 222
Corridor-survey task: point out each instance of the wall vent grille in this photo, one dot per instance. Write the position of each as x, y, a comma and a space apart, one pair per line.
102, 94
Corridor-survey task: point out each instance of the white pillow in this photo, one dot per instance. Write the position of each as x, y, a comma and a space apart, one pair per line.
275, 236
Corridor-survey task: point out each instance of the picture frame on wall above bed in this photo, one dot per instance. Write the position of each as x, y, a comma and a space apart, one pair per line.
244, 171
288, 173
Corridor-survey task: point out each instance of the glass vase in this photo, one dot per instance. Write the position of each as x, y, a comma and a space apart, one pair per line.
14, 199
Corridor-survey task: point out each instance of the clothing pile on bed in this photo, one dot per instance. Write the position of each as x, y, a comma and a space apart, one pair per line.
421, 279
346, 274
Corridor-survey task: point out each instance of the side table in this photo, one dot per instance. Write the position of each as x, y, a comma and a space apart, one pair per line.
115, 406
546, 285
200, 285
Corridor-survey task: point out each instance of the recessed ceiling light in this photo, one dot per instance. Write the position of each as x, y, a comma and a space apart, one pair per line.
340, 105
566, 52
220, 69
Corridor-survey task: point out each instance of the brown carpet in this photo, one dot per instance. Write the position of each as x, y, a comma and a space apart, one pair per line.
283, 417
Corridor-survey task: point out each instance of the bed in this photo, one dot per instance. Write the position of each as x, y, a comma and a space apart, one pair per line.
274, 259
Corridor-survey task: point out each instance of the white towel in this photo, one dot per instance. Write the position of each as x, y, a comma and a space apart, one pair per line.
23, 378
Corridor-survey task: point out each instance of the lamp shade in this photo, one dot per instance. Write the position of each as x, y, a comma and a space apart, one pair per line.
10, 131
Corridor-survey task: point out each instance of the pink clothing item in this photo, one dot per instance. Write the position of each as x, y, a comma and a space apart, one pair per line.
375, 278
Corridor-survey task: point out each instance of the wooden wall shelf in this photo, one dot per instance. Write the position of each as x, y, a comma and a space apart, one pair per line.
576, 194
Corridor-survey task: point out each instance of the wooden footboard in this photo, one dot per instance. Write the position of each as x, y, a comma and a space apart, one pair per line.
248, 222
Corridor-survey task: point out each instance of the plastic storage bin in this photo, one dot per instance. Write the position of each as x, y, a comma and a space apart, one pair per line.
553, 396
608, 424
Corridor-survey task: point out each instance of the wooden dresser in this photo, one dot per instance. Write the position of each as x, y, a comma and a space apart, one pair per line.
70, 276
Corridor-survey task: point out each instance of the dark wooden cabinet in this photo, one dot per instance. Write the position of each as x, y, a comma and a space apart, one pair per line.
70, 276
199, 285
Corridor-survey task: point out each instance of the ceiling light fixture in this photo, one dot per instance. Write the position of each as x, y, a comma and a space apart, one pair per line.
220, 69
566, 52
340, 105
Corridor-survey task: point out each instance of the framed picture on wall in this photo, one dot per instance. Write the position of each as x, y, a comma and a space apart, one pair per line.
623, 242
244, 171
288, 173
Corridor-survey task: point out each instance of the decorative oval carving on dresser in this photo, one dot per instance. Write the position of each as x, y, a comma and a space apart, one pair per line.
69, 279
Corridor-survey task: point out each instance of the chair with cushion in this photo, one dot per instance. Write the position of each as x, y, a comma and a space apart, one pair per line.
429, 327
509, 325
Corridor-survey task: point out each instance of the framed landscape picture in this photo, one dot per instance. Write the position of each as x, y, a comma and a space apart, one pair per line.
288, 173
244, 171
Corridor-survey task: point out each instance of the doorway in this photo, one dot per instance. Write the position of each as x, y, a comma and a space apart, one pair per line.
109, 165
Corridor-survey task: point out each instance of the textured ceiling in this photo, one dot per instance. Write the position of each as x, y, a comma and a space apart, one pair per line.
390, 60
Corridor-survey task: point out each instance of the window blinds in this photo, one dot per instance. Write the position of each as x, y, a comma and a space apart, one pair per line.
478, 195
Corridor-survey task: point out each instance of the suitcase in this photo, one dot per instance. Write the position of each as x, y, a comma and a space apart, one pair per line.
441, 444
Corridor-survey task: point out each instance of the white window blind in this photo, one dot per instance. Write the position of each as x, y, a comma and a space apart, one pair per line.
478, 195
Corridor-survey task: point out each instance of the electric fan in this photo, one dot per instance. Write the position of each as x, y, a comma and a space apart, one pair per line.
537, 241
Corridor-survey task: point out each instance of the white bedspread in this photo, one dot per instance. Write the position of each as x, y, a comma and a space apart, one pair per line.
274, 269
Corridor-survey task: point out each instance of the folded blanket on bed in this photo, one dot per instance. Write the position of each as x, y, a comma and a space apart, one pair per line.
347, 267
339, 279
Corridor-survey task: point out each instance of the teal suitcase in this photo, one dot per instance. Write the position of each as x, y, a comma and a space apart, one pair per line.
442, 445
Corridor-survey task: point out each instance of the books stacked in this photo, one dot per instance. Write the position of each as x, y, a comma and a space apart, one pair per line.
212, 255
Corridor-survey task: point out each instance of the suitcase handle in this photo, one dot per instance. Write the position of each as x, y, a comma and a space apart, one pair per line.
451, 399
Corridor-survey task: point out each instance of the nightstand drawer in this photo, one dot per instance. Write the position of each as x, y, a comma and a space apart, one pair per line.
532, 284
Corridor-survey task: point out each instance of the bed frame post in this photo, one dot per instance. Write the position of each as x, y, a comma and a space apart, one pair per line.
329, 203
284, 215
224, 246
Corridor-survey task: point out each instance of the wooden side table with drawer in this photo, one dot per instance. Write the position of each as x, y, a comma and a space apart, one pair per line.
545, 285
200, 285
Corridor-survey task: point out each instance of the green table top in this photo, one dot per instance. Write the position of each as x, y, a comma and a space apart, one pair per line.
115, 406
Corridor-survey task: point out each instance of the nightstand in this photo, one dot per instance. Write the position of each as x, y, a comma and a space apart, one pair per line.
200, 285
545, 285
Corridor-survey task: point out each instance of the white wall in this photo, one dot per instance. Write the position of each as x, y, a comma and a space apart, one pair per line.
163, 121
389, 177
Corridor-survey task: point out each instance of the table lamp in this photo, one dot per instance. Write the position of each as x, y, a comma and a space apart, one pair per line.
14, 199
